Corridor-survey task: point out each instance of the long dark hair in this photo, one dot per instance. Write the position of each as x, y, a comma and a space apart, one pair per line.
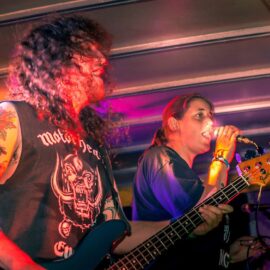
38, 61
176, 108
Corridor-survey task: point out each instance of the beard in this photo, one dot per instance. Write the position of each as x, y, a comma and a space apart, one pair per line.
91, 89
97, 89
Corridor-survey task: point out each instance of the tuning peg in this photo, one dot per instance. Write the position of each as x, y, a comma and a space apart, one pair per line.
258, 165
247, 169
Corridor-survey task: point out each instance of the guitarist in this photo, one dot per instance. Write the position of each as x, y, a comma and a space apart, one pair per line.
56, 181
166, 186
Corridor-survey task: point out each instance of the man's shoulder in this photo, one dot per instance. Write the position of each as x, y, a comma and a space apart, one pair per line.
9, 138
17, 108
11, 105
8, 112
7, 106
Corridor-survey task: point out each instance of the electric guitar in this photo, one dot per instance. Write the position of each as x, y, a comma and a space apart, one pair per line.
254, 171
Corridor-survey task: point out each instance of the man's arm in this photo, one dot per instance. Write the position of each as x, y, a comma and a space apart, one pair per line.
9, 127
12, 257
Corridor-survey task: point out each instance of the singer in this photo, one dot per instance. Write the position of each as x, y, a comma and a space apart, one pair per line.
166, 186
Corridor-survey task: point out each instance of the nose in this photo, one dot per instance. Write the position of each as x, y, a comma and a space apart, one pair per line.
210, 123
103, 60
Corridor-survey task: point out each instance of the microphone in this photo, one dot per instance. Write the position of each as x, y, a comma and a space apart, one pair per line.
243, 139
250, 207
239, 138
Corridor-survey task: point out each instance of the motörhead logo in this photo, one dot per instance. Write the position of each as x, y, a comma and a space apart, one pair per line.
78, 188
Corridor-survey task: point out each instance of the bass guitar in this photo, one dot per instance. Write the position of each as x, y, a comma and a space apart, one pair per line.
254, 172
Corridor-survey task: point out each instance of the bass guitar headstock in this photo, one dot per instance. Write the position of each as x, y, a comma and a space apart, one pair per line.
256, 170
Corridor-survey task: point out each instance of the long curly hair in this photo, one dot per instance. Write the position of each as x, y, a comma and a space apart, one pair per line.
38, 62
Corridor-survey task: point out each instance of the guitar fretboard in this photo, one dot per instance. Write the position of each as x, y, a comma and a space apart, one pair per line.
158, 244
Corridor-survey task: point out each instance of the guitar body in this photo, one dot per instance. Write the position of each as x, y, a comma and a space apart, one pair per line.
92, 249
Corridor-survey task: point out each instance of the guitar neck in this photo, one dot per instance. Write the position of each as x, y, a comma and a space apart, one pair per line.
158, 244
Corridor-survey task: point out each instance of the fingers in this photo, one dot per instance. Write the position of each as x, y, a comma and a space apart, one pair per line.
228, 131
225, 208
246, 238
211, 214
220, 209
256, 248
226, 141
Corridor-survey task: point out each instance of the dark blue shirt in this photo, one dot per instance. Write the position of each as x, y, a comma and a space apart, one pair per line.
165, 186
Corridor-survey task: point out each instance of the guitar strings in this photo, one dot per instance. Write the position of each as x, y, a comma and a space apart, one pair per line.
147, 251
160, 243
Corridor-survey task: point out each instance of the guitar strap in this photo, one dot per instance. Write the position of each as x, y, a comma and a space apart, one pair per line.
115, 194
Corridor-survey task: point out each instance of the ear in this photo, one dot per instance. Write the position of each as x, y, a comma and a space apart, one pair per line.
173, 124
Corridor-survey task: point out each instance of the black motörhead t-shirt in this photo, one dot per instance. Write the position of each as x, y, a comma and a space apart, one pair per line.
58, 193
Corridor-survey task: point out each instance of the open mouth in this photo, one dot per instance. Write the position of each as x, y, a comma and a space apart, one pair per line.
207, 135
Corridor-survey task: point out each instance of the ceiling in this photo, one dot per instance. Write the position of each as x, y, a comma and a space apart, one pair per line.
164, 48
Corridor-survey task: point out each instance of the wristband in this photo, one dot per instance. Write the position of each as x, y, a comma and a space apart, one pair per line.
222, 160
